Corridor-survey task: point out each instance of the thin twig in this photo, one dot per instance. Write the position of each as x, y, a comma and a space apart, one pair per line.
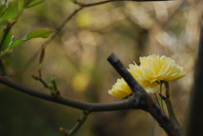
58, 30
108, 1
79, 123
41, 80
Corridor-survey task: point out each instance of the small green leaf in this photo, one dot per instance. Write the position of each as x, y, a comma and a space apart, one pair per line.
33, 34
12, 11
2, 9
30, 3
7, 41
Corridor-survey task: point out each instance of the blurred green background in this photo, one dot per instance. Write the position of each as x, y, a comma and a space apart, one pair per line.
77, 58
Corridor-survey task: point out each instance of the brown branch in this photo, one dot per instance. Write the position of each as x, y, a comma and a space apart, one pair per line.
121, 105
108, 1
143, 100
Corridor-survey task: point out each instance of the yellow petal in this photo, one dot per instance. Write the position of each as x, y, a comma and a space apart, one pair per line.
147, 85
135, 70
143, 61
147, 73
154, 68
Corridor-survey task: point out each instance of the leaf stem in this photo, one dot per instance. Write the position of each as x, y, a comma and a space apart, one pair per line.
162, 107
169, 106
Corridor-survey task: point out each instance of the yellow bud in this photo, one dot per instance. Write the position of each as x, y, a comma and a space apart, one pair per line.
120, 89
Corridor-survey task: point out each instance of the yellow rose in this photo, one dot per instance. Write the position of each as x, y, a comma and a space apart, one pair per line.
154, 69
120, 89
151, 71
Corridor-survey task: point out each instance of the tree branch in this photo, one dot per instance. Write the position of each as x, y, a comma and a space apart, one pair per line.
142, 99
121, 105
108, 1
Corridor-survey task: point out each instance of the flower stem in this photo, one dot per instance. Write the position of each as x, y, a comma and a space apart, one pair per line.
169, 106
157, 100
162, 107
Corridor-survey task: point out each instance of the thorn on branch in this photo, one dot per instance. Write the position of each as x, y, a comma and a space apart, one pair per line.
65, 132
81, 4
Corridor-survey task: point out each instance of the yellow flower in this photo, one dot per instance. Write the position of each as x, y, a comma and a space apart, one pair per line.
151, 71
154, 69
120, 89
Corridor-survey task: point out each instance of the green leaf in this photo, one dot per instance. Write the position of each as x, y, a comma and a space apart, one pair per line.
6, 39
33, 34
30, 3
2, 9
12, 11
